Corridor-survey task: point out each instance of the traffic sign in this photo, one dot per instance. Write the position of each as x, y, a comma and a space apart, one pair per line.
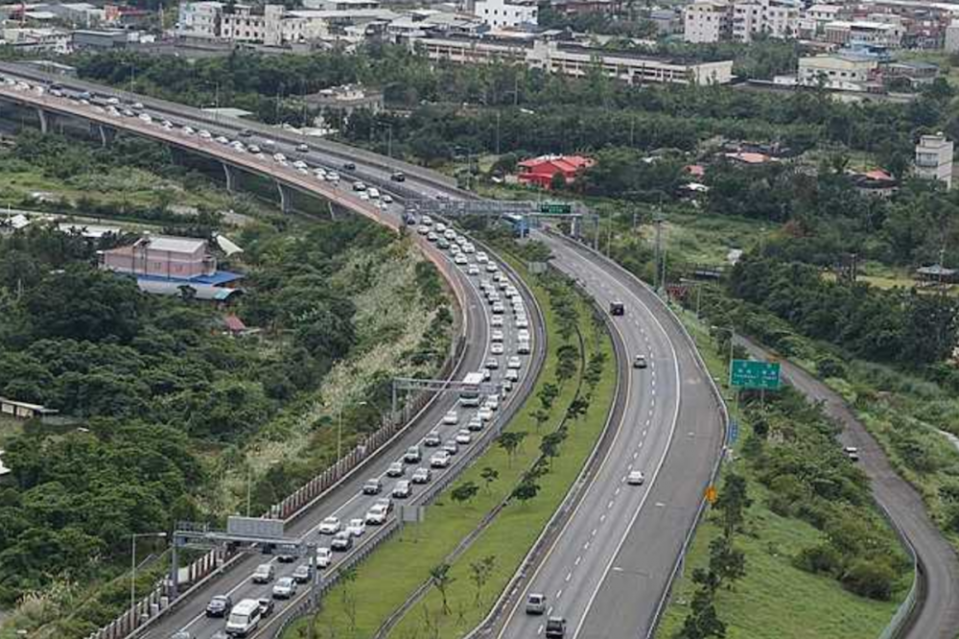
555, 208
712, 494
747, 373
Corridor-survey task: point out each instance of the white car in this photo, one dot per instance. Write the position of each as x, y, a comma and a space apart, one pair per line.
482, 257
205, 134
145, 117
432, 237
300, 164
485, 413
440, 459
463, 437
284, 588
492, 363
330, 526
496, 336
440, 227
512, 375
522, 322
187, 130
498, 308
635, 478
522, 335
450, 234
427, 220
376, 515
461, 259
492, 401
222, 139
324, 556
491, 267
422, 475
496, 348
356, 527
396, 470
387, 198
514, 362
475, 425
279, 157
496, 321
374, 193
469, 248
422, 229
333, 176
473, 270
451, 418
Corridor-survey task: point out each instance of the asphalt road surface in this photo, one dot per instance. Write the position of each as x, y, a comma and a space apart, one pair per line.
937, 614
609, 567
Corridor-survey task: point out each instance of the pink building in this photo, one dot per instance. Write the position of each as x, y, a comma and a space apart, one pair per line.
161, 256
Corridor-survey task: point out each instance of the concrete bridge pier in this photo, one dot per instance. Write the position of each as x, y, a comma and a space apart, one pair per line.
233, 178
106, 134
46, 120
286, 197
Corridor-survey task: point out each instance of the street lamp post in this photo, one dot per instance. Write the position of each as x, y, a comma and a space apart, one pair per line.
133, 563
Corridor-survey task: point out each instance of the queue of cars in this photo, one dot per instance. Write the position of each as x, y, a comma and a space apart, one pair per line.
417, 465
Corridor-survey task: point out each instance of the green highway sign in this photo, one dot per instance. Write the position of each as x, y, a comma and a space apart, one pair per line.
747, 373
555, 208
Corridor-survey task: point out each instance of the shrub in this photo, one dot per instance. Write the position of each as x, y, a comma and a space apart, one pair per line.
870, 578
821, 559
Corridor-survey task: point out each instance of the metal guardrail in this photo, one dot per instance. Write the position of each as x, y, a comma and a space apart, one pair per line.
562, 512
717, 395
901, 621
434, 489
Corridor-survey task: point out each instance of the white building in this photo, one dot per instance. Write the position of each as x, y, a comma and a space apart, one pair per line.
863, 32
707, 21
775, 18
199, 20
506, 13
952, 37
574, 60
934, 159
844, 72
714, 20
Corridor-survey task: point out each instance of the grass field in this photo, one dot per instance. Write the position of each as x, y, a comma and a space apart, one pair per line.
774, 600
385, 580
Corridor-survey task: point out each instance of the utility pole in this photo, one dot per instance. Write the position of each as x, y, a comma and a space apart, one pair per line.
658, 221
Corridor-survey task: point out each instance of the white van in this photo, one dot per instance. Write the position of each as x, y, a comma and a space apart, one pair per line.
522, 348
244, 618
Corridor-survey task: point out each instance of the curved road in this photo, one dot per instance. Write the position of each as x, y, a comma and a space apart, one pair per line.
937, 616
608, 568
346, 500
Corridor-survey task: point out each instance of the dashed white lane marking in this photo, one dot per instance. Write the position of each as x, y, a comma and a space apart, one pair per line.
559, 593
586, 546
602, 518
593, 534
578, 559
609, 505
616, 492
635, 455
569, 576
539, 630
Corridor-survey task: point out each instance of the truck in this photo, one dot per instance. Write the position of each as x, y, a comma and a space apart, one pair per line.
470, 392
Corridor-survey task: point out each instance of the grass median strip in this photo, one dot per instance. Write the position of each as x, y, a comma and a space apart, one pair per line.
359, 605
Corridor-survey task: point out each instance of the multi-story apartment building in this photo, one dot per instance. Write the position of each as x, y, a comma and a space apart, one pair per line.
707, 21
574, 60
775, 18
506, 13
743, 21
934, 159
863, 32
199, 20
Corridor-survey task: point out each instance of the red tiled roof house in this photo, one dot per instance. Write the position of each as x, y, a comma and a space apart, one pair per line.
540, 171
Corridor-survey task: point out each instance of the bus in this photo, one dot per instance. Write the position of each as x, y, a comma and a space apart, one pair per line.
470, 392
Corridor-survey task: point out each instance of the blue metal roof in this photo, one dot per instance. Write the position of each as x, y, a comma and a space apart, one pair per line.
219, 278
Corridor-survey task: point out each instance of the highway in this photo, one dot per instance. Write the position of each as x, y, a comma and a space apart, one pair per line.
488, 329
607, 570
610, 565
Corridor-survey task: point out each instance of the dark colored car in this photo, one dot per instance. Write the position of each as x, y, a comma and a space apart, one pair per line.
349, 166
266, 607
617, 308
219, 606
555, 628
398, 176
